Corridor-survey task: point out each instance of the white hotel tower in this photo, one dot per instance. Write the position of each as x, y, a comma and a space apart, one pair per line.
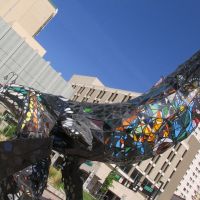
190, 184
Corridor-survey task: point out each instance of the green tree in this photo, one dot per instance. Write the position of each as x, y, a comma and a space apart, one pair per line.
108, 181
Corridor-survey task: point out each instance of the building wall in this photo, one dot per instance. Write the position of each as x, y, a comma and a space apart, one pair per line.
28, 17
31, 15
29, 39
160, 173
90, 89
175, 180
16, 55
190, 182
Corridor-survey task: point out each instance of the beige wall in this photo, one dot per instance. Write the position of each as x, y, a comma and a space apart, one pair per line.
86, 80
175, 180
191, 180
30, 14
29, 39
90, 89
122, 191
27, 18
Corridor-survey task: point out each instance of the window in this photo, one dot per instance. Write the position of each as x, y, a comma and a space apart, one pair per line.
84, 99
115, 97
91, 91
169, 156
136, 175
124, 182
165, 169
139, 163
184, 153
157, 158
101, 94
75, 97
177, 147
153, 158
124, 99
172, 174
147, 168
112, 97
165, 185
126, 169
81, 90
129, 98
146, 182
178, 163
172, 157
96, 101
150, 170
158, 176
164, 166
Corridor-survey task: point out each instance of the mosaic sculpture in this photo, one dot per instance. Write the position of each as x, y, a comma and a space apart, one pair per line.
120, 133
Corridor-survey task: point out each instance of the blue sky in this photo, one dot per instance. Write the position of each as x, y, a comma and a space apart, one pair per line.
127, 44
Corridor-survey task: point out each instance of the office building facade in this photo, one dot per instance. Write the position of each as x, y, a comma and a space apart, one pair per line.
90, 89
28, 18
16, 55
189, 186
155, 178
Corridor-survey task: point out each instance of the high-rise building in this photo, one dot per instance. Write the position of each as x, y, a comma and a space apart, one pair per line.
190, 183
27, 18
155, 178
90, 89
16, 55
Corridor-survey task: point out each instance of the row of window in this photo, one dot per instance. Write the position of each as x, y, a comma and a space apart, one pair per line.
101, 94
148, 187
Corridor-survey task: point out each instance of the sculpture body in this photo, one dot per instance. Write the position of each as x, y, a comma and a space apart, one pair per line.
121, 133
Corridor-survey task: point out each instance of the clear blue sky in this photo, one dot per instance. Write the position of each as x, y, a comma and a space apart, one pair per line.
127, 44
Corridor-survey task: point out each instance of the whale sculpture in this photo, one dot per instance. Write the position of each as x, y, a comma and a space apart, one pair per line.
120, 133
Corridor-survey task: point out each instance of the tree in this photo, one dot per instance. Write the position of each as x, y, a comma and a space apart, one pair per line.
108, 181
